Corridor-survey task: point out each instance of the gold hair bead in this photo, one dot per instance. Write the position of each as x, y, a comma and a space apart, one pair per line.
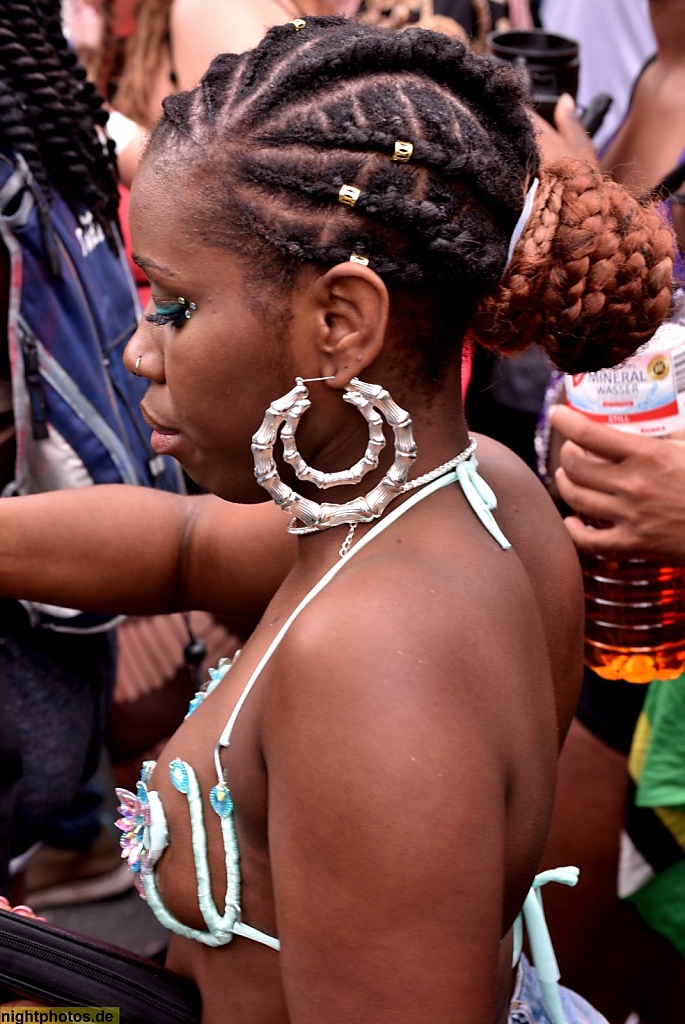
403, 152
349, 195
356, 258
298, 23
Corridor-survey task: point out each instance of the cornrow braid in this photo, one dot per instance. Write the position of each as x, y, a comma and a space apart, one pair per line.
271, 136
49, 111
311, 111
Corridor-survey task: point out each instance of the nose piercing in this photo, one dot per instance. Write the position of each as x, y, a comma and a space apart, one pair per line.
137, 366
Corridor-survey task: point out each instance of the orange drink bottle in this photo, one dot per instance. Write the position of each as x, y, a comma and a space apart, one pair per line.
635, 607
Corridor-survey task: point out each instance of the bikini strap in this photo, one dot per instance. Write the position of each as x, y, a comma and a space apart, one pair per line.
479, 496
541, 948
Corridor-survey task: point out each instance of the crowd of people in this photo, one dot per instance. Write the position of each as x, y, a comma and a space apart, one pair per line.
335, 209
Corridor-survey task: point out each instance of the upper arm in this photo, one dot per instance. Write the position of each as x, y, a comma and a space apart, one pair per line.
140, 551
387, 816
234, 559
201, 29
129, 156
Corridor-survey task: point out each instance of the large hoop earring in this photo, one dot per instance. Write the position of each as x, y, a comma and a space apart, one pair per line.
296, 411
289, 409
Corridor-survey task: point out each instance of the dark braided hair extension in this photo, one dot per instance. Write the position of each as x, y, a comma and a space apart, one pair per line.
271, 135
49, 111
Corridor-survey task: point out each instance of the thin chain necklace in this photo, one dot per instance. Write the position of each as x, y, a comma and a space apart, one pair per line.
444, 468
420, 481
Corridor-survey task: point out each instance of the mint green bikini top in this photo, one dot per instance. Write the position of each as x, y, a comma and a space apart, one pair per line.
143, 820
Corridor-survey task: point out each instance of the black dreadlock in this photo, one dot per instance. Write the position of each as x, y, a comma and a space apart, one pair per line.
277, 131
49, 111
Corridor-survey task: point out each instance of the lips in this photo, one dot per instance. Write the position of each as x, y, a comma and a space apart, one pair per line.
163, 439
155, 425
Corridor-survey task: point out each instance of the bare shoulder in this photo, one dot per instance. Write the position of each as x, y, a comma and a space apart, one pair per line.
525, 510
530, 520
435, 610
200, 29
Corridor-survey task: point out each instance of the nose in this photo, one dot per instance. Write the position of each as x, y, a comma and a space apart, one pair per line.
142, 357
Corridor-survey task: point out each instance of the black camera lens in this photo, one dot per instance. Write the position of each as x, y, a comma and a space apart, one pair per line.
550, 61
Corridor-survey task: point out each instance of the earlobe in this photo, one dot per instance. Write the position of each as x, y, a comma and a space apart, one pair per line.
355, 304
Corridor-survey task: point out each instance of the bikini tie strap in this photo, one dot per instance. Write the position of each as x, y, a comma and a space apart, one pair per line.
541, 948
480, 497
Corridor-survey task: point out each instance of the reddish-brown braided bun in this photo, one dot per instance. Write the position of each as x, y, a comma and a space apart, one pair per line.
590, 279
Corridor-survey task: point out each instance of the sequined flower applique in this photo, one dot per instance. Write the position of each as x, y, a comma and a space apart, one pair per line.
135, 826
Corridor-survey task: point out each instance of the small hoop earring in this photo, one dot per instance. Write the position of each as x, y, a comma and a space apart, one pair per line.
289, 409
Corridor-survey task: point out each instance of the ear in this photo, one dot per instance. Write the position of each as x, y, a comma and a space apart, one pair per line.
346, 311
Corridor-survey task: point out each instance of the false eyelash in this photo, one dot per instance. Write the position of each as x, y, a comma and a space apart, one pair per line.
174, 315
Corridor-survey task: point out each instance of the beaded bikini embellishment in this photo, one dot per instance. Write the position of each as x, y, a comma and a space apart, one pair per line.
145, 837
140, 845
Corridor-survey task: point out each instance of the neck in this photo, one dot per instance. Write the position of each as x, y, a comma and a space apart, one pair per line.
429, 422
437, 425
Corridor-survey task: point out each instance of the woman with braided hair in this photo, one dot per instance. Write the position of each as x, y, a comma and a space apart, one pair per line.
348, 824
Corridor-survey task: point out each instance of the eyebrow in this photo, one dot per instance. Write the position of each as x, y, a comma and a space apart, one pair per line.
143, 262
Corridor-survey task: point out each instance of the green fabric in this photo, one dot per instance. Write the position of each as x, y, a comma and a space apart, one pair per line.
661, 904
662, 781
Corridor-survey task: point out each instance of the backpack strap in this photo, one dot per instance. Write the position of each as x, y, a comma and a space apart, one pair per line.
18, 196
16, 201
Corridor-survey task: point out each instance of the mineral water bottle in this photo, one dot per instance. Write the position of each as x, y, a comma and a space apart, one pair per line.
635, 607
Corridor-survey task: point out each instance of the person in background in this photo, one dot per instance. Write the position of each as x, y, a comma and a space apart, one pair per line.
616, 39
627, 954
68, 308
622, 824
174, 40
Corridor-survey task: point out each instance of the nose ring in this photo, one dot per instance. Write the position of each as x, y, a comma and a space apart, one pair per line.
137, 366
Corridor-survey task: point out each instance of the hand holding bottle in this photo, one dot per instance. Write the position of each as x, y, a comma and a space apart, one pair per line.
636, 483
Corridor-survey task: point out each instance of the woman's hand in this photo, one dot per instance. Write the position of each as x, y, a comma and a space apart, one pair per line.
21, 910
567, 138
635, 483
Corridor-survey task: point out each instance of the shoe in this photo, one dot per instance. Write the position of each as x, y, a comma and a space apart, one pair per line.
59, 878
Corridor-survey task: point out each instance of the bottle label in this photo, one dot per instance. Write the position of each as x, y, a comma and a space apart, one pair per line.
645, 394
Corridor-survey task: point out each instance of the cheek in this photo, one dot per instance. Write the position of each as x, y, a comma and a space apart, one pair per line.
213, 399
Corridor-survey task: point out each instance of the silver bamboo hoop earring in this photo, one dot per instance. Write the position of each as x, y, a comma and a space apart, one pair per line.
374, 403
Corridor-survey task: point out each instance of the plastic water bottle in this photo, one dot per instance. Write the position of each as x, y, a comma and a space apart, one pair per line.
635, 607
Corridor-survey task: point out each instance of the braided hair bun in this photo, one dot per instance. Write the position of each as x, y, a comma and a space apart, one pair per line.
590, 279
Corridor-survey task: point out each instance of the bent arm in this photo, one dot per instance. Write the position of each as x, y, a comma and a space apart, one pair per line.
389, 834
635, 483
135, 550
